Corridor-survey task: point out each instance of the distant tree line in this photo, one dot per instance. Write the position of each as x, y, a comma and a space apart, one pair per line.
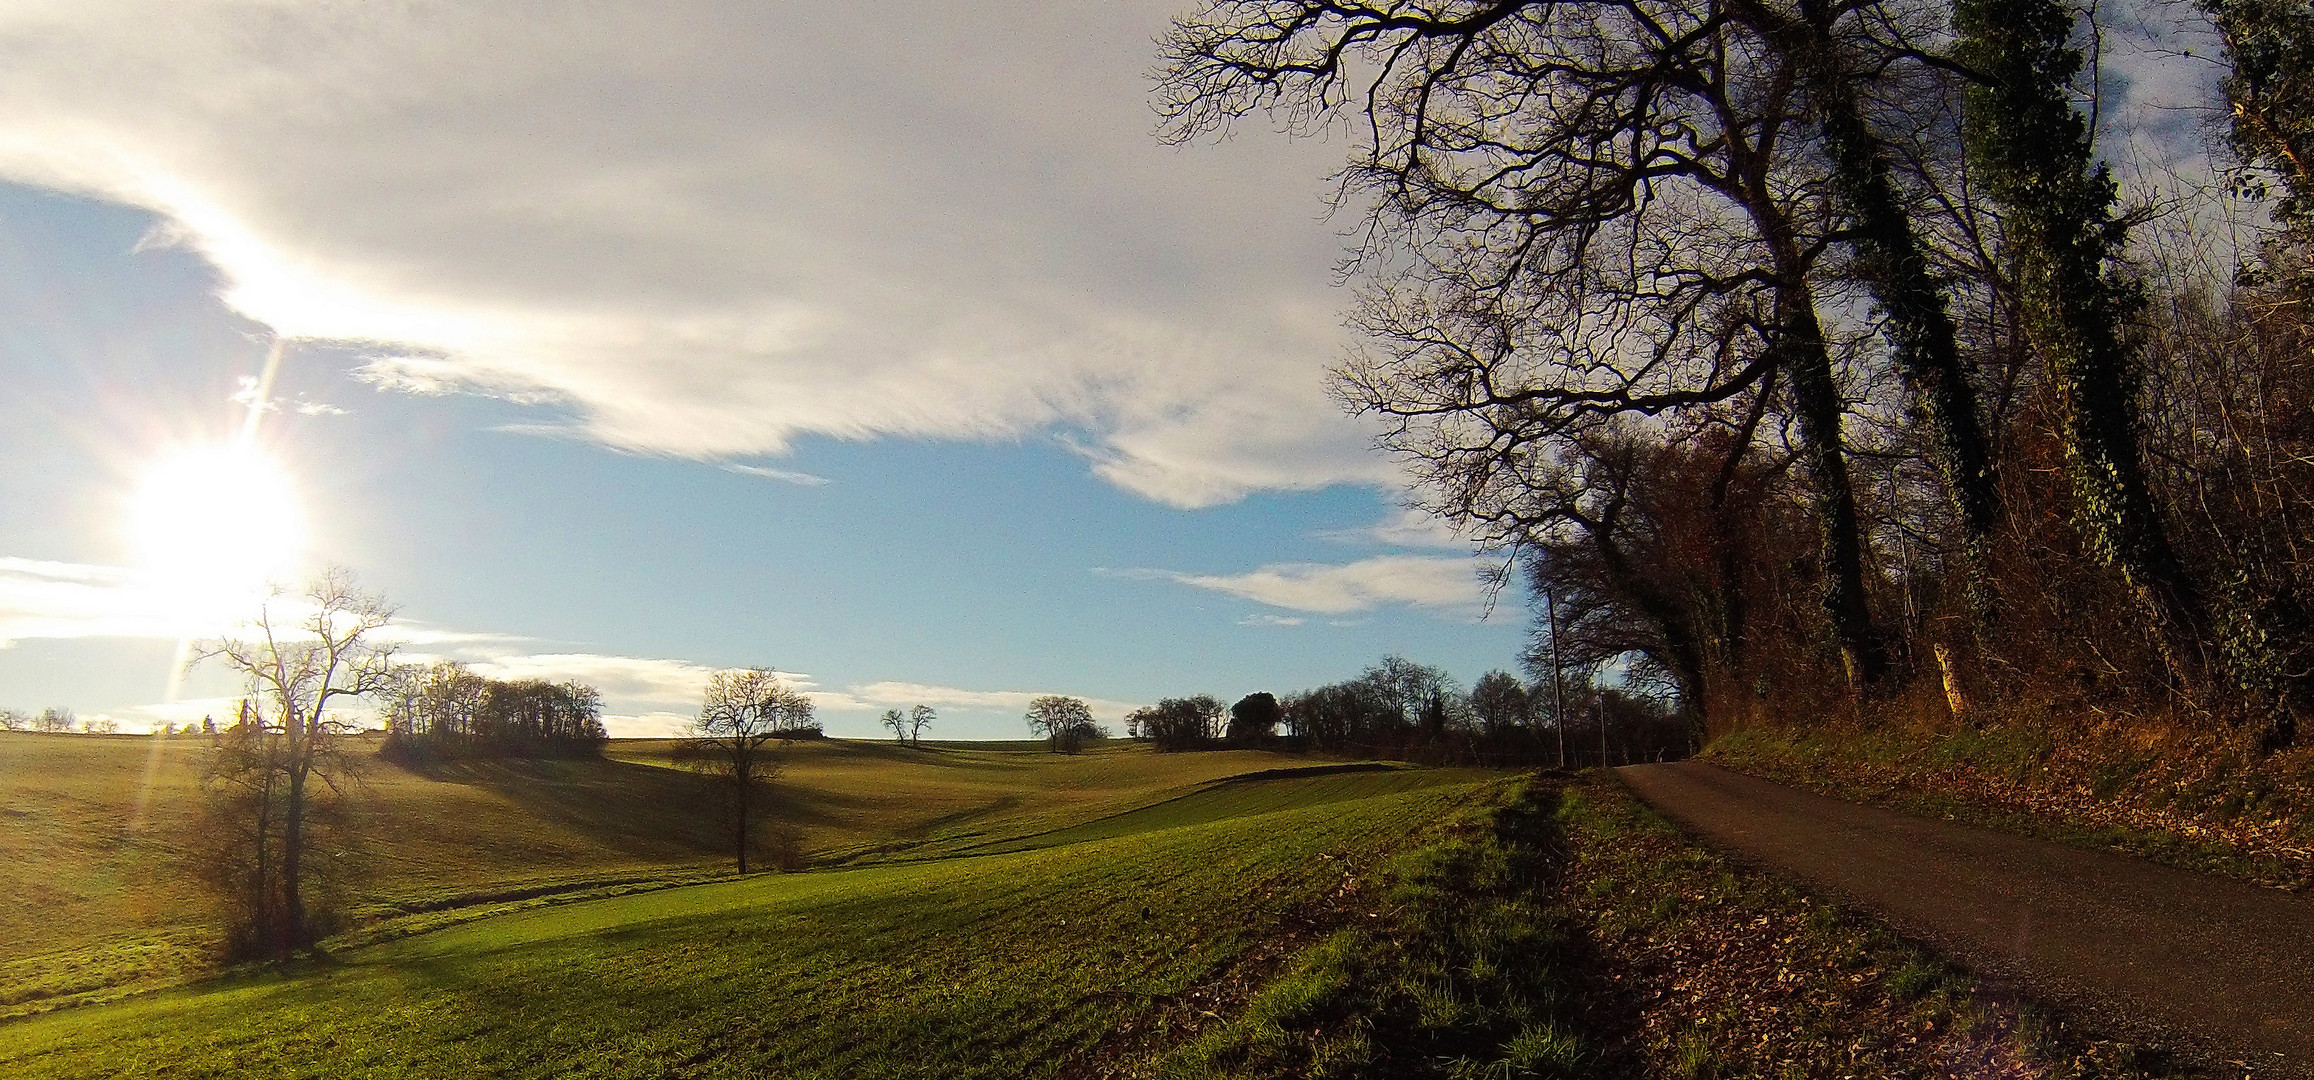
444, 709
55, 721
1401, 709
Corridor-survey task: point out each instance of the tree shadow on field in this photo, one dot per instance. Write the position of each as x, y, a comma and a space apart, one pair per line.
640, 810
960, 756
800, 807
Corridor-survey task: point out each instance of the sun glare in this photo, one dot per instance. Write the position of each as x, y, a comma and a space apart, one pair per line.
215, 522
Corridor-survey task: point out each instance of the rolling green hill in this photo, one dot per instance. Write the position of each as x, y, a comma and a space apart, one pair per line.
1077, 901
93, 831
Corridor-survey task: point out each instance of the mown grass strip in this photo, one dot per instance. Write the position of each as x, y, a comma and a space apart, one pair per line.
1567, 930
1463, 968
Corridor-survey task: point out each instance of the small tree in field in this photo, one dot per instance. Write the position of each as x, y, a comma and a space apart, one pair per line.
53, 721
919, 718
1065, 721
897, 724
744, 712
273, 782
11, 720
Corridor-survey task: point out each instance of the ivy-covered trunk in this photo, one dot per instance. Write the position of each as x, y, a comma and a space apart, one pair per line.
1816, 401
1920, 333
2033, 150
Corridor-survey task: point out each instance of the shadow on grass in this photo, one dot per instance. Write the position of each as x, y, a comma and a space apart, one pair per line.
639, 810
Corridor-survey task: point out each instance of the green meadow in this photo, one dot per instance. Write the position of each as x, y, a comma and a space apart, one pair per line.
969, 911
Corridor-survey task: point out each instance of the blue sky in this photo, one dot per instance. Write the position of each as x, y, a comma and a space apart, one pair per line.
884, 346
1063, 428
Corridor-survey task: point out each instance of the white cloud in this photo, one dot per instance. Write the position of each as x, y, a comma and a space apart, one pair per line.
59, 600
620, 678
251, 396
707, 229
1414, 580
41, 599
885, 695
1266, 619
1406, 528
644, 696
785, 476
647, 725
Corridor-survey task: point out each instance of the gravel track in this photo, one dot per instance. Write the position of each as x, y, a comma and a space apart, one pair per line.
2216, 967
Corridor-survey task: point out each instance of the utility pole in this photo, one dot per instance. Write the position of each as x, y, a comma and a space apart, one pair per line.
1558, 694
1599, 686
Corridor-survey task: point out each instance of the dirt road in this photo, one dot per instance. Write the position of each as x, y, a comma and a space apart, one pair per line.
2223, 968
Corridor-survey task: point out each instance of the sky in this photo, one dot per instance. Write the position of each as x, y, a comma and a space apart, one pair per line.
883, 346
616, 342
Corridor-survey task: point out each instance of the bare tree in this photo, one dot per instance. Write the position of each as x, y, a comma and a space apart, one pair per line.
54, 720
744, 712
14, 720
896, 722
1579, 212
1066, 721
1498, 701
919, 718
300, 659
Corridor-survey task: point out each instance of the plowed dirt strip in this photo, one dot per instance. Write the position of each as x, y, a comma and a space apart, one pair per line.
2220, 967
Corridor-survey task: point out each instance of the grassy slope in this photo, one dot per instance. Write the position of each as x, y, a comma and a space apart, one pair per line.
107, 906
854, 800
1002, 965
94, 827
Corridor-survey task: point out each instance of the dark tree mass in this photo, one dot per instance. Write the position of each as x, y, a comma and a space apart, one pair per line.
445, 710
1749, 332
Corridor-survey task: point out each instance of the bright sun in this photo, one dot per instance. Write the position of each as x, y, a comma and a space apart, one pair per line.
216, 520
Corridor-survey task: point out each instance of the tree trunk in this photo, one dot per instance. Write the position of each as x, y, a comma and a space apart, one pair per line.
294, 930
742, 781
1681, 643
2034, 150
1797, 338
1919, 329
1816, 400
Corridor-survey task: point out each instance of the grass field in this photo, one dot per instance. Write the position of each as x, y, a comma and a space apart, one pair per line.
93, 828
1118, 889
1005, 912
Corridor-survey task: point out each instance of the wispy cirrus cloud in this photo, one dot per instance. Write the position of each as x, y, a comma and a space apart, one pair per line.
1407, 528
785, 476
1424, 581
41, 599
